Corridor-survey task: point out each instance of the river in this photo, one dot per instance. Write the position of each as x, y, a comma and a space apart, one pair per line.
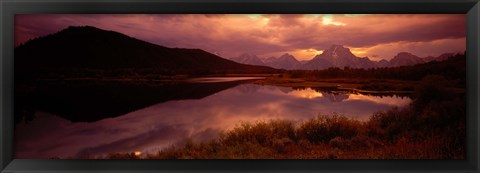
147, 119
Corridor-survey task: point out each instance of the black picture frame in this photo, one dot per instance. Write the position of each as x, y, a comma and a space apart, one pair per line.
8, 8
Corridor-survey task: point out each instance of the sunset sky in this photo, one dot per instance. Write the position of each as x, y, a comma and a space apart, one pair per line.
376, 36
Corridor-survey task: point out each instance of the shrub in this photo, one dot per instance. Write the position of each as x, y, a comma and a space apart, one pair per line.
431, 88
387, 125
338, 142
280, 145
323, 128
169, 153
263, 133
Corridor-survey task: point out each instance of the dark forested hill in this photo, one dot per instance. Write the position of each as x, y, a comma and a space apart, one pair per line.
93, 48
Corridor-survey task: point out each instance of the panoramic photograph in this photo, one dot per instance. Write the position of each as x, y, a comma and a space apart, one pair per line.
240, 86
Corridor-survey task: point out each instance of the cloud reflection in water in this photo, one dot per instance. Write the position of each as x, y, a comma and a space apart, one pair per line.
169, 123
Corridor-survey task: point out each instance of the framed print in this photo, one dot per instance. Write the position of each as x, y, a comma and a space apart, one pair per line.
215, 85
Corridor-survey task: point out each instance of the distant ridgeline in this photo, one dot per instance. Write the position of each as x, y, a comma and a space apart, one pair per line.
336, 56
89, 51
452, 68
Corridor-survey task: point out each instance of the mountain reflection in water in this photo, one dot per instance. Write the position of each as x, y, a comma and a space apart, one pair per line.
172, 122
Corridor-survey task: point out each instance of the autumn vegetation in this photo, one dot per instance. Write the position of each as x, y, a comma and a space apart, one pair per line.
431, 127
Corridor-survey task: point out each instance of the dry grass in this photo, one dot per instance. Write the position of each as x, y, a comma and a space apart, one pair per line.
432, 127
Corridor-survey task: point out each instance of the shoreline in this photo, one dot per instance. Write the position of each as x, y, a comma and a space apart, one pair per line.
402, 87
379, 86
359, 85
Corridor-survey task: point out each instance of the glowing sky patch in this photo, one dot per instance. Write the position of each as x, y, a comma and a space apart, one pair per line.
328, 20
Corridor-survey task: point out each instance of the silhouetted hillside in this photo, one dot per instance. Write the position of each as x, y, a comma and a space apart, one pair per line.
90, 101
93, 48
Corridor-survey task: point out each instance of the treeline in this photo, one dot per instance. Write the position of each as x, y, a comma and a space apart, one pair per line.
454, 68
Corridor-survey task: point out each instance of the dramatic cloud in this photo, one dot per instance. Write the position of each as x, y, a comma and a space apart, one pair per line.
378, 36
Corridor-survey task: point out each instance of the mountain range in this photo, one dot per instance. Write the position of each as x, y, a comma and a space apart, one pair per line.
337, 56
286, 61
87, 47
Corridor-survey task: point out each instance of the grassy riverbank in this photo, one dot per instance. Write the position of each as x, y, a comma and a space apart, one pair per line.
431, 127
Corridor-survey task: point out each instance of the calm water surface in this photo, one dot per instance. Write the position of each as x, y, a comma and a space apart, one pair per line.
172, 122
